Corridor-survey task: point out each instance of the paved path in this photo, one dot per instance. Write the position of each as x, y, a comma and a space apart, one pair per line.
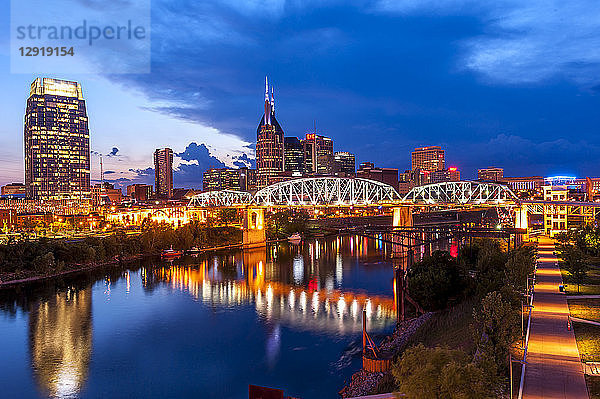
554, 368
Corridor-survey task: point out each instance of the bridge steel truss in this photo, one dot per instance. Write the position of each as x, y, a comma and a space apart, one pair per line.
327, 191
221, 198
586, 210
461, 193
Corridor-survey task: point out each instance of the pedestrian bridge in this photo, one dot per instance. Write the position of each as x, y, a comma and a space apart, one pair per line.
341, 191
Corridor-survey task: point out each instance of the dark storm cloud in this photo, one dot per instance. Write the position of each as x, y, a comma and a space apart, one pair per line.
384, 77
200, 159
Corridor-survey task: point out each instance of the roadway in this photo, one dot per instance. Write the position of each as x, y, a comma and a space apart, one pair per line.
554, 368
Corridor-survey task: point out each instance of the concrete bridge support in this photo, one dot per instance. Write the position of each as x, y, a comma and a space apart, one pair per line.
402, 216
254, 228
522, 222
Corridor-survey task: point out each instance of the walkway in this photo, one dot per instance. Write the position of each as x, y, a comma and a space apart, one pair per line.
554, 368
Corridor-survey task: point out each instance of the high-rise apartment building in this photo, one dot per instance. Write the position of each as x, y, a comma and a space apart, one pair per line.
318, 155
163, 173
269, 144
490, 174
57, 141
294, 156
345, 164
428, 158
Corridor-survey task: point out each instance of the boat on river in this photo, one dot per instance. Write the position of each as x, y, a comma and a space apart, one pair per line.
170, 253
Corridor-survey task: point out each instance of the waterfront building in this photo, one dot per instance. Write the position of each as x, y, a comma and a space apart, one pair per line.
163, 173
139, 192
56, 141
555, 215
269, 143
429, 159
242, 179
345, 164
13, 189
367, 170
490, 174
294, 156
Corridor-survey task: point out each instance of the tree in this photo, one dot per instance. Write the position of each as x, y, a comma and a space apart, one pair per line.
432, 373
434, 280
575, 261
495, 327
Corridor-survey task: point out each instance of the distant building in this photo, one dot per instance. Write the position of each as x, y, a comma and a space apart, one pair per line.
555, 216
163, 173
57, 140
405, 182
13, 189
490, 174
182, 194
344, 164
294, 156
139, 192
106, 194
367, 170
242, 179
430, 159
445, 175
318, 155
530, 183
269, 144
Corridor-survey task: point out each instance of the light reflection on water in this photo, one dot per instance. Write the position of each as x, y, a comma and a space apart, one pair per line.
308, 300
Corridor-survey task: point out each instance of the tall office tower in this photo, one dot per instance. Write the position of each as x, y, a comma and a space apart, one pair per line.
491, 174
293, 156
345, 164
163, 172
242, 179
57, 140
428, 158
269, 144
318, 155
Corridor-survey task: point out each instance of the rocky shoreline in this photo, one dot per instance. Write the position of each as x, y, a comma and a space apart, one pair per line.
364, 383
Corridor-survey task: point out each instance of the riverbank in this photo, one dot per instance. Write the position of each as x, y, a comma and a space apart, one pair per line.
14, 279
365, 383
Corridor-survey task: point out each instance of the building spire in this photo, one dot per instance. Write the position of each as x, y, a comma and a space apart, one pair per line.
268, 110
266, 88
273, 100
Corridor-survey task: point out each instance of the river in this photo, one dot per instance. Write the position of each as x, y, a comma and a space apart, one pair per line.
285, 316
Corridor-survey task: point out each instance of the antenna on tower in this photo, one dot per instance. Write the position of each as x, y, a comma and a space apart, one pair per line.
315, 126
101, 174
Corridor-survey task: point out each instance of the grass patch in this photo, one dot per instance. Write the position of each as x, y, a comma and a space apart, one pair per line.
588, 309
451, 328
588, 341
593, 384
591, 286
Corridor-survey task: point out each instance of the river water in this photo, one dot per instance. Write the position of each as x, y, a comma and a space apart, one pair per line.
285, 316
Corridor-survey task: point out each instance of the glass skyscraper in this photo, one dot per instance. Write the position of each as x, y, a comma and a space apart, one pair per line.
57, 141
163, 173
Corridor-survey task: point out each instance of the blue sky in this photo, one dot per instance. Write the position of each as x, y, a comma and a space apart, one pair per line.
511, 83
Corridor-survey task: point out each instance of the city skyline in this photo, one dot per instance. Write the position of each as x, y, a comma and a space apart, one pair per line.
462, 90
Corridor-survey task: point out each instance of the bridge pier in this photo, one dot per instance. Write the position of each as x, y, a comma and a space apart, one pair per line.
253, 235
522, 221
402, 216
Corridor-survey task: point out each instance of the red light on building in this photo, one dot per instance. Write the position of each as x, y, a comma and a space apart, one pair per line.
310, 136
453, 169
454, 249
